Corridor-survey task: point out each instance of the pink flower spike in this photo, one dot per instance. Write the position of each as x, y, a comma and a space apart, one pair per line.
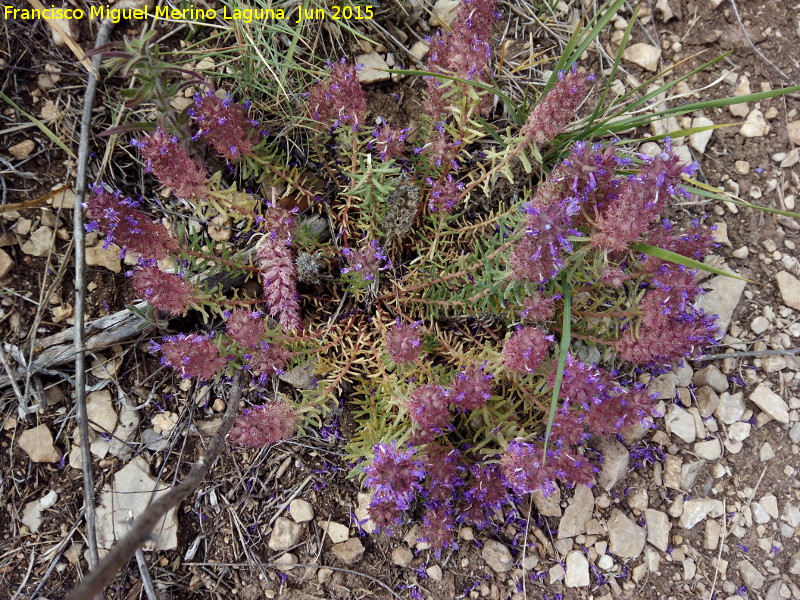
170, 162
558, 107
225, 125
165, 291
403, 341
429, 407
264, 425
526, 349
339, 99
193, 355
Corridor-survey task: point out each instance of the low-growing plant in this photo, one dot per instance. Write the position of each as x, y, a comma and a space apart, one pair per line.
481, 309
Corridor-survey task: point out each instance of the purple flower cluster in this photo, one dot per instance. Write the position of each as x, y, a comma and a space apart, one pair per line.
553, 112
403, 341
670, 326
539, 256
445, 194
463, 50
170, 162
165, 291
339, 99
367, 262
125, 225
225, 125
277, 268
264, 425
192, 355
450, 491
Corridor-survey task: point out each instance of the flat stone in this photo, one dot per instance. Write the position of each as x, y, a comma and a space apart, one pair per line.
794, 132
759, 325
402, 556
616, 460
680, 423
336, 531
362, 512
751, 577
658, 528
690, 472
498, 556
577, 513
767, 452
663, 387
760, 514
434, 572
124, 433
712, 377
38, 445
419, 49
443, 12
731, 407
721, 299
350, 551
644, 55
672, 472
755, 125
738, 432
370, 68
285, 534
708, 450
548, 506
794, 564
770, 403
6, 262
128, 495
23, 149
683, 374
301, 510
100, 410
789, 286
286, 562
40, 242
32, 516
626, 538
695, 511
707, 401
98, 256
577, 570
700, 140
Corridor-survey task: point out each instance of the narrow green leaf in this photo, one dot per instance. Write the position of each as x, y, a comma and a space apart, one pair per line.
712, 192
680, 259
566, 337
42, 127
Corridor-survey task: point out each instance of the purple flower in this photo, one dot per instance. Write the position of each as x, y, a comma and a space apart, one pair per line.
394, 474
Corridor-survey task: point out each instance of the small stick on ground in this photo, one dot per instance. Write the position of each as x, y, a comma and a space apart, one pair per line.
80, 297
142, 527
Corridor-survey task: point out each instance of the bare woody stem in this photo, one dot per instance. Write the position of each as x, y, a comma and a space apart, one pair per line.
142, 527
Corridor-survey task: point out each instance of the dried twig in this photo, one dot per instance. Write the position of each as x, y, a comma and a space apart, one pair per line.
111, 564
753, 46
80, 296
752, 354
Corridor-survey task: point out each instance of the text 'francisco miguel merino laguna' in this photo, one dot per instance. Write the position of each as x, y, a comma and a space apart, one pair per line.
192, 13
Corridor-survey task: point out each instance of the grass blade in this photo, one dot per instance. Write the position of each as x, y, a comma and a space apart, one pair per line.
680, 259
42, 127
563, 350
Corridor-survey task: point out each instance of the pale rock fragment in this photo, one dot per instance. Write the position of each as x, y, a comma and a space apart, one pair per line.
371, 65
643, 55
38, 445
130, 492
769, 402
